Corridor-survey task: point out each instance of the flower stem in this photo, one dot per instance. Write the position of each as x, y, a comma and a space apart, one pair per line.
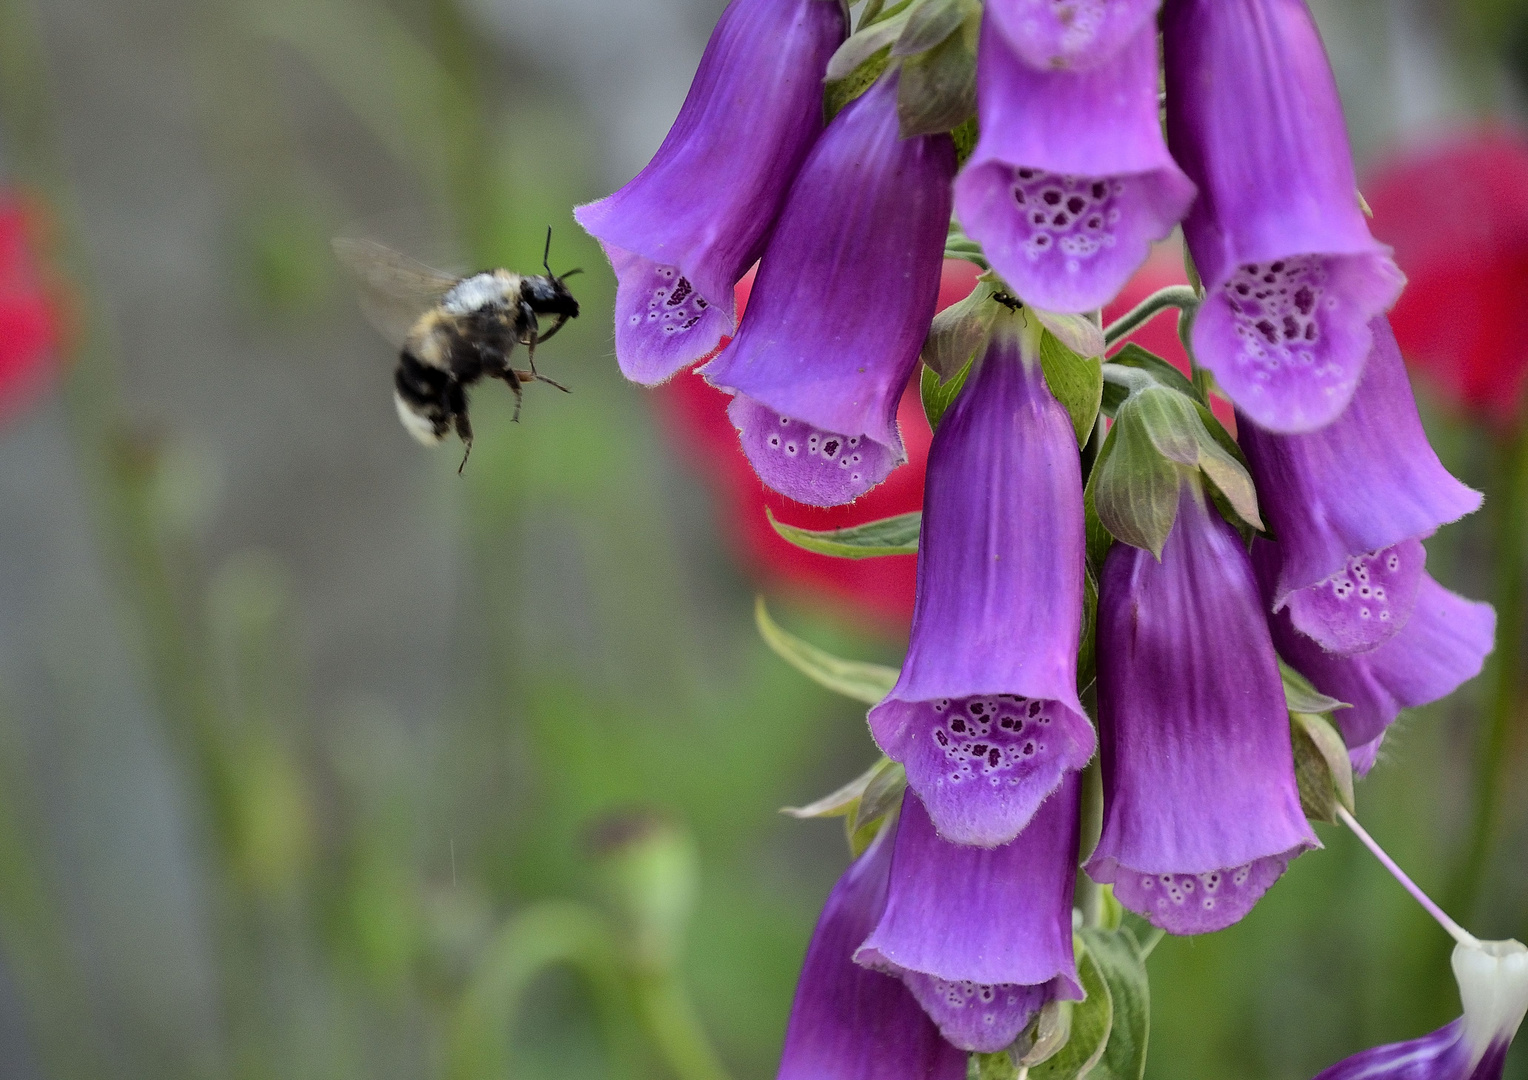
1457, 932
1174, 296
1493, 758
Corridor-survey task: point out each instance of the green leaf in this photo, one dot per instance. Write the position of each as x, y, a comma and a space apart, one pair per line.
1323, 769
1302, 697
840, 802
998, 1066
1135, 491
936, 90
1092, 1019
939, 396
1119, 959
960, 331
1077, 383
889, 536
1087, 648
852, 678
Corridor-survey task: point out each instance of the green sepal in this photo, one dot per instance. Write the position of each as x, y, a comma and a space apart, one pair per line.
938, 395
1092, 1019
965, 136
1119, 959
1135, 358
937, 87
1323, 769
882, 797
1135, 488
1076, 382
889, 536
1301, 696
1098, 538
998, 1066
1046, 1035
840, 802
1087, 644
1077, 332
960, 331
852, 678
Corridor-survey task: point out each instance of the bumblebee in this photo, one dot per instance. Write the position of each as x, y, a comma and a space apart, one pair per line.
452, 331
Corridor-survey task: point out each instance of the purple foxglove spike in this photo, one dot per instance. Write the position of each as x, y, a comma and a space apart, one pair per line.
682, 233
1201, 810
1071, 181
981, 936
849, 1023
1444, 644
843, 300
985, 715
1054, 35
1292, 277
1349, 503
1493, 986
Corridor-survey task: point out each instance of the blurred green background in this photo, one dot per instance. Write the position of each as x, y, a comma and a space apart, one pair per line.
309, 748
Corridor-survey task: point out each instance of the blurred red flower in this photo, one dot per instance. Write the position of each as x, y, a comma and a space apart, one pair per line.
1456, 212
28, 323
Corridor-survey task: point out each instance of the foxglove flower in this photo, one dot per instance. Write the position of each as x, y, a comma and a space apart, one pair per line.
1350, 504
1201, 810
985, 715
1071, 181
1443, 645
1054, 35
685, 229
850, 1023
1292, 277
840, 307
1493, 988
981, 936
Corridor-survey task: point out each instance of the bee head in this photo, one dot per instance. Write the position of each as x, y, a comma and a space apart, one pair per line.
549, 295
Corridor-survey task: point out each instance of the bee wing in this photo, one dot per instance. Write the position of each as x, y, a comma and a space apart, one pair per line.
395, 289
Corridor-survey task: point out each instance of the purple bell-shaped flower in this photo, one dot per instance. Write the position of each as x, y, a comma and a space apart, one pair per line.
1201, 810
1292, 277
981, 936
841, 306
850, 1023
1055, 35
1444, 644
1350, 504
985, 714
1493, 988
688, 226
1071, 181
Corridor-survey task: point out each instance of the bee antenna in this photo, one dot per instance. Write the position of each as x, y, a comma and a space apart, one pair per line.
547, 253
570, 273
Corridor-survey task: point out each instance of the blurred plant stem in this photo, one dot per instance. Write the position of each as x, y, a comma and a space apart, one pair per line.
1505, 710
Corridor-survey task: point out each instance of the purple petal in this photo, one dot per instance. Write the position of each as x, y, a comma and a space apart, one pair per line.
703, 206
1201, 811
1070, 182
1438, 1056
1056, 34
849, 1023
1443, 645
985, 714
1291, 274
662, 324
1365, 603
814, 466
842, 302
1361, 485
1363, 757
981, 936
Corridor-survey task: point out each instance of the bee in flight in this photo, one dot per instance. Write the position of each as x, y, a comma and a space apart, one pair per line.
452, 331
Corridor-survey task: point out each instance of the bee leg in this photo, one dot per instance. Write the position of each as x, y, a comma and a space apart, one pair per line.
514, 378
529, 376
528, 318
558, 325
